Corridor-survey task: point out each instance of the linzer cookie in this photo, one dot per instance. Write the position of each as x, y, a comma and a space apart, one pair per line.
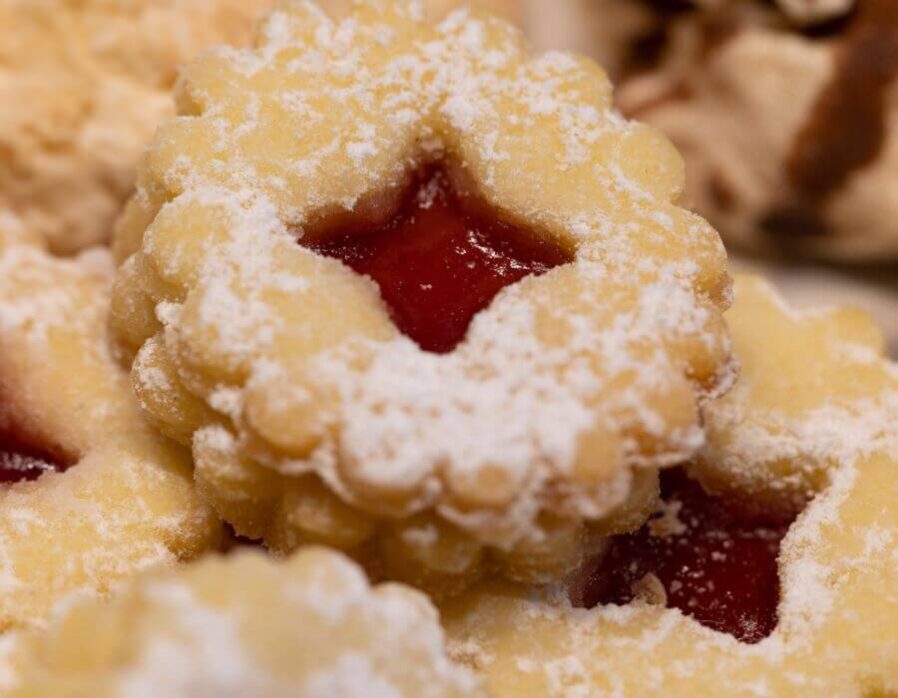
722, 594
787, 122
307, 627
83, 85
770, 438
413, 293
89, 493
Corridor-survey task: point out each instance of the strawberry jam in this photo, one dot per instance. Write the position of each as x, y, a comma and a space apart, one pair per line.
715, 562
441, 259
23, 457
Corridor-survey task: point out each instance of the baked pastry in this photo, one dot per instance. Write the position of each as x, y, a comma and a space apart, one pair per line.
328, 319
245, 625
837, 613
437, 9
768, 438
83, 85
89, 493
787, 121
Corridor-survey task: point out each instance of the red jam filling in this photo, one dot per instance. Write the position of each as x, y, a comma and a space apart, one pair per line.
717, 563
441, 259
23, 457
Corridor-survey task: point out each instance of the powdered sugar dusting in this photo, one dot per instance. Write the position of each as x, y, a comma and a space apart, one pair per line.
246, 625
606, 349
838, 610
126, 502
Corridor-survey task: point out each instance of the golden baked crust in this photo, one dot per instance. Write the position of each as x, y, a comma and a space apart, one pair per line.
83, 84
306, 627
282, 367
437, 9
777, 435
838, 612
127, 501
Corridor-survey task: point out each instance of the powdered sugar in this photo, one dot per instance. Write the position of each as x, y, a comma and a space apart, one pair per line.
245, 625
602, 349
125, 502
837, 610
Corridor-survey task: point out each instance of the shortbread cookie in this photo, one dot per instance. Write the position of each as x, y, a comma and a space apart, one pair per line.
838, 565
307, 627
89, 493
83, 85
514, 10
790, 133
402, 284
774, 437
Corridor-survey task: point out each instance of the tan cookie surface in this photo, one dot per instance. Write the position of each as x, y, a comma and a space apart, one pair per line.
126, 500
795, 413
838, 611
83, 86
790, 136
283, 367
306, 627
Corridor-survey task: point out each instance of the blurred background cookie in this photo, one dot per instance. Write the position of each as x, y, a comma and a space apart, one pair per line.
306, 627
82, 86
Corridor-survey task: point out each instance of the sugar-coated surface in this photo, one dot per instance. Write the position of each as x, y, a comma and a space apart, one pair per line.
838, 564
283, 368
246, 625
84, 84
126, 500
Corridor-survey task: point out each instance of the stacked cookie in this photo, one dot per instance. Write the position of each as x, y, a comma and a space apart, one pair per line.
398, 298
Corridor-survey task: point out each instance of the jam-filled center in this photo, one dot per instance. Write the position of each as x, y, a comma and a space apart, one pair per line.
440, 259
702, 555
24, 457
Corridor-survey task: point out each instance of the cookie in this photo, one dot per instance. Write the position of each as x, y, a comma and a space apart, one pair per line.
837, 609
305, 627
776, 436
787, 119
445, 303
83, 86
437, 9
89, 493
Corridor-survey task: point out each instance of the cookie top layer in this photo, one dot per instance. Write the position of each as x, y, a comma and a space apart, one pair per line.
125, 499
562, 385
307, 627
83, 84
838, 610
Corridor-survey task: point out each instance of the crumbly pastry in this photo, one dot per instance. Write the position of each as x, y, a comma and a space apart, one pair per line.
319, 409
83, 85
773, 437
89, 493
789, 131
307, 627
437, 9
838, 611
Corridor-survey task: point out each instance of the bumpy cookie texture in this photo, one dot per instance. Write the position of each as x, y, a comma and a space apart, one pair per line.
838, 612
83, 85
307, 627
310, 415
779, 433
789, 131
437, 9
125, 499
